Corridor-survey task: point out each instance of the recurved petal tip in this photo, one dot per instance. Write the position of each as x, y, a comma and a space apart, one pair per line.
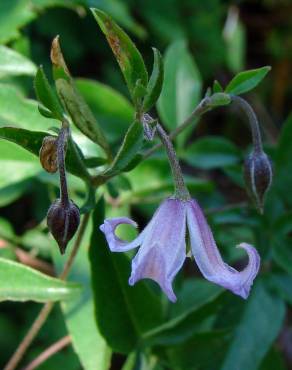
115, 243
209, 260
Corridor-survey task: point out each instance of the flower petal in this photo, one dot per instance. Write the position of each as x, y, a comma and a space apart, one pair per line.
163, 249
116, 244
209, 260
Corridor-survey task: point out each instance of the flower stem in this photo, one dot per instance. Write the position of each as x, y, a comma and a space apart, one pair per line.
61, 148
253, 122
47, 308
202, 108
181, 192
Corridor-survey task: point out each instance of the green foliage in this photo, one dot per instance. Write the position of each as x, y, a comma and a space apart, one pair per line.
21, 283
126, 53
114, 176
246, 81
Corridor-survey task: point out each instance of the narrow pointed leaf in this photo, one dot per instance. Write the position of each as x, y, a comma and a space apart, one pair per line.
73, 102
21, 283
127, 55
123, 313
246, 81
46, 95
155, 82
258, 327
217, 88
127, 153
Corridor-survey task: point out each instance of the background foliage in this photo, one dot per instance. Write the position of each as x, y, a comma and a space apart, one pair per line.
207, 329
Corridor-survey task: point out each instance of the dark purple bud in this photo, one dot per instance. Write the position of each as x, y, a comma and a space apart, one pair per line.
258, 176
63, 221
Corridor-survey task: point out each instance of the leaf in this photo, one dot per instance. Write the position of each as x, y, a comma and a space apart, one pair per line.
46, 95
21, 283
201, 351
131, 145
182, 85
73, 102
14, 64
112, 110
197, 301
155, 83
282, 181
217, 88
127, 55
79, 316
281, 285
121, 12
282, 254
123, 313
246, 81
212, 152
18, 111
258, 327
235, 40
32, 141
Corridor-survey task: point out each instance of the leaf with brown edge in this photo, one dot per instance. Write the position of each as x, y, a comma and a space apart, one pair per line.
129, 58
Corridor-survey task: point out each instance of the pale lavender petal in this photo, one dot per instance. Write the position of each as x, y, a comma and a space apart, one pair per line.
116, 244
209, 260
163, 249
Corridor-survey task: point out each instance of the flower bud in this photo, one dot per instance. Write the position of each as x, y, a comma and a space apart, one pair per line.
48, 154
63, 221
258, 177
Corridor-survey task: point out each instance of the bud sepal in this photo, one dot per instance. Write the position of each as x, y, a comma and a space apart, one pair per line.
63, 221
258, 176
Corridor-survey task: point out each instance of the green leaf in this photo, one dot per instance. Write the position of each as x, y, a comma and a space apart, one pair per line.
131, 145
282, 253
14, 64
87, 341
217, 88
282, 182
123, 313
112, 110
73, 102
155, 83
197, 301
127, 55
182, 85
281, 285
258, 327
235, 40
18, 111
21, 283
201, 351
46, 95
212, 152
121, 12
246, 81
23, 164
32, 141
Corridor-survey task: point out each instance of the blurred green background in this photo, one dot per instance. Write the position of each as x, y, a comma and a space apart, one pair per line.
206, 40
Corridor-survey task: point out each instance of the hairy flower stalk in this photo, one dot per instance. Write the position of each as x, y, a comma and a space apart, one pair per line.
163, 241
63, 215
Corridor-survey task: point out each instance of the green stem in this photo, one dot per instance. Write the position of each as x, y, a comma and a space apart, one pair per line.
202, 108
181, 192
